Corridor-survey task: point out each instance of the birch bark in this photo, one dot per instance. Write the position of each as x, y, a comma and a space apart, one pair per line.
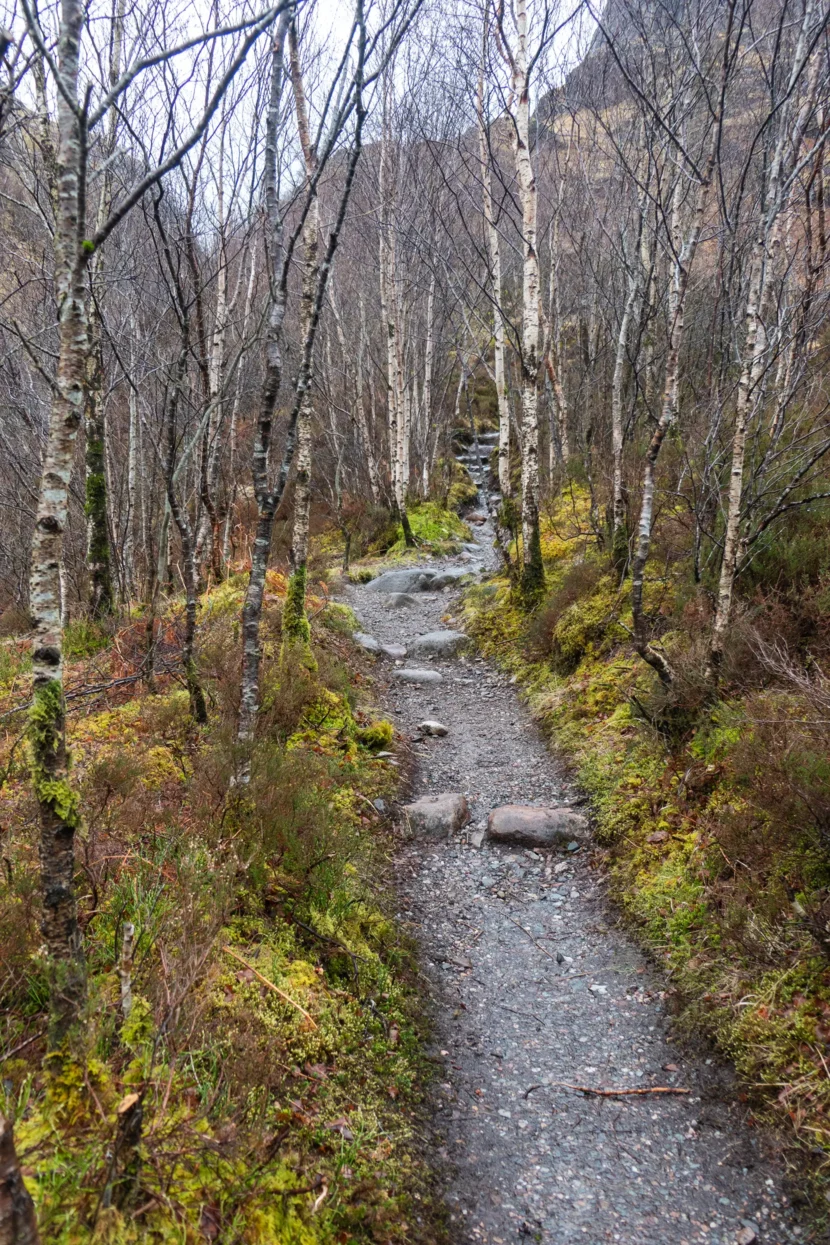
494, 248
98, 529
533, 575
389, 315
268, 498
788, 148
58, 803
295, 625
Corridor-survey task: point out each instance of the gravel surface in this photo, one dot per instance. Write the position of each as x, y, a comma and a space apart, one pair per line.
533, 982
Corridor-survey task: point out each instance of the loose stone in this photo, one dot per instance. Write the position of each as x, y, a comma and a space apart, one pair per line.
437, 816
534, 827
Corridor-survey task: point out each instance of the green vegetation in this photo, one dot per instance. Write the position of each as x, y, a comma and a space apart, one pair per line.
713, 819
435, 526
269, 1045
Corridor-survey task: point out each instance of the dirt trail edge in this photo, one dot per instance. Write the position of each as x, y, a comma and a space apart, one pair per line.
533, 982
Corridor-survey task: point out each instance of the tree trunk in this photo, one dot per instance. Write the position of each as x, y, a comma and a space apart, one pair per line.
494, 247
389, 315
58, 803
98, 529
755, 343
295, 625
18, 1221
268, 499
533, 574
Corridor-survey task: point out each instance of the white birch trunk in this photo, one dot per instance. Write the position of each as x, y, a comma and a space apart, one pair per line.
494, 247
532, 569
755, 342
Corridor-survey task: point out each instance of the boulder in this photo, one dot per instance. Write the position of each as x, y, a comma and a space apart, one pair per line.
412, 580
410, 674
437, 816
444, 579
433, 728
525, 826
396, 652
368, 642
399, 601
440, 644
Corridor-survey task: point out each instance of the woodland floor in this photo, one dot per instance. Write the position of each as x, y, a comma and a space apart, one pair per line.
553, 1164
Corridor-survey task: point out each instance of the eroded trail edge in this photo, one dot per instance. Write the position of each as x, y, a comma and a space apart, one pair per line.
537, 989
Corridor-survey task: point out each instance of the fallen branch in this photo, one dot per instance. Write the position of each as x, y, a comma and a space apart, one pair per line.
287, 997
536, 944
608, 1093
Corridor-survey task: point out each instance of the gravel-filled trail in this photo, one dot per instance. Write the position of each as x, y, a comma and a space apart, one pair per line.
535, 987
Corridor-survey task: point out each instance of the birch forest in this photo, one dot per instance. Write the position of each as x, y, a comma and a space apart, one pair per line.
524, 302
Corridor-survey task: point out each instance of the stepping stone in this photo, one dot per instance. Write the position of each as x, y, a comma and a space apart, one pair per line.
440, 644
409, 674
437, 816
433, 728
413, 580
399, 601
521, 825
396, 652
367, 642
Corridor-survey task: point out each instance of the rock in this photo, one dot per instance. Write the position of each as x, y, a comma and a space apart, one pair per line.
413, 580
476, 838
399, 601
396, 652
380, 806
433, 728
445, 578
368, 642
409, 674
476, 519
437, 816
440, 644
534, 827
746, 1236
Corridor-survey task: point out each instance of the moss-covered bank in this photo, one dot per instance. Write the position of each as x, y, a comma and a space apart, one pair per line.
269, 1040
712, 819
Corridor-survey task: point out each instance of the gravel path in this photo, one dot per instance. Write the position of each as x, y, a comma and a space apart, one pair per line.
533, 982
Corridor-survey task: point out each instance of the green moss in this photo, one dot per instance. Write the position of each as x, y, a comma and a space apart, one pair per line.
45, 737
295, 624
434, 526
377, 735
533, 571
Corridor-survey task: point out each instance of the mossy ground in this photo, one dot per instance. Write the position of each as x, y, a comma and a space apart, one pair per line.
438, 531
710, 818
275, 1032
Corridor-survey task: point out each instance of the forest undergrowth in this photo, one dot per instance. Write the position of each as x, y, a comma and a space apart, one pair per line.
712, 817
251, 1064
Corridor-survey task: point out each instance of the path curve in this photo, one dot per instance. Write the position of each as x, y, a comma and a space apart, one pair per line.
525, 1159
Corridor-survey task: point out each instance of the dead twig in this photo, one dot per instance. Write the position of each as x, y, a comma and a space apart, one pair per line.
608, 1093
9, 1054
536, 944
287, 997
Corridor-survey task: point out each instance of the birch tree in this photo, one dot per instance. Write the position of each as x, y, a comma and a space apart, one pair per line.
791, 117
77, 118
520, 64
